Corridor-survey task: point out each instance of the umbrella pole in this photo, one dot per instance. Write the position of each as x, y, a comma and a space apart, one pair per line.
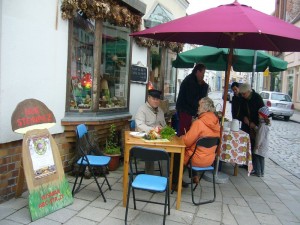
254, 67
219, 176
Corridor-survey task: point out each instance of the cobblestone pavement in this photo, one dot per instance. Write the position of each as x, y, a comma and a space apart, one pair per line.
284, 148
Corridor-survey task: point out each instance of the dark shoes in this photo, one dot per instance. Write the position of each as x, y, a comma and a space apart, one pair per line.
253, 173
175, 186
196, 180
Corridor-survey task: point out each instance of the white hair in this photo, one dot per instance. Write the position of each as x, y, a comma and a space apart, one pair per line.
245, 88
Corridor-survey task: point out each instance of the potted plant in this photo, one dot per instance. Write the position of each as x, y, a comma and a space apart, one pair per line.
112, 149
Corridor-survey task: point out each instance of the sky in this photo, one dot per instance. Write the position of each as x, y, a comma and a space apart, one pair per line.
265, 6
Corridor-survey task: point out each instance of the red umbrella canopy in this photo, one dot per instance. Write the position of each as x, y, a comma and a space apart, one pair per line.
229, 26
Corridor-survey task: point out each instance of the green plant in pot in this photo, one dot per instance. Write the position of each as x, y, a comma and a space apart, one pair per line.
112, 149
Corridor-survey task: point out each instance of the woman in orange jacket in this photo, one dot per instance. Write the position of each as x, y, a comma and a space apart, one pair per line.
207, 125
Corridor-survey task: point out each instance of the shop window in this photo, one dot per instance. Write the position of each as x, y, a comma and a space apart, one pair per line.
82, 63
114, 66
170, 77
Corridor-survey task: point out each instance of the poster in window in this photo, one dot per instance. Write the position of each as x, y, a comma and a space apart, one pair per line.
41, 156
119, 90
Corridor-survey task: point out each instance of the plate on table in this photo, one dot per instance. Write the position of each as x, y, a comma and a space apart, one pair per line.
137, 134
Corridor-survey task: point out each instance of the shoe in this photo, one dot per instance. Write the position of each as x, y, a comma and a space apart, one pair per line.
262, 175
185, 184
175, 186
253, 173
196, 180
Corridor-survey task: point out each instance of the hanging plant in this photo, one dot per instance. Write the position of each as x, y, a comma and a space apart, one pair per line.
107, 10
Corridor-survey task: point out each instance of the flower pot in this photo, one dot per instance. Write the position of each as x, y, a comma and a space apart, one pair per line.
114, 162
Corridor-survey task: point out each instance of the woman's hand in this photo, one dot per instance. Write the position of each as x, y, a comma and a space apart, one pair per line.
246, 121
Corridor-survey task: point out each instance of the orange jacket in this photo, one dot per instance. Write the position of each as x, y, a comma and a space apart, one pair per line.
207, 125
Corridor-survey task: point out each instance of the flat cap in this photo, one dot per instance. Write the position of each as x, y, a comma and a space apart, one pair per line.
154, 93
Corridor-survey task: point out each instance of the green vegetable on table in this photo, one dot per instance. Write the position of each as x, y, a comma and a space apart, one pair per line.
167, 132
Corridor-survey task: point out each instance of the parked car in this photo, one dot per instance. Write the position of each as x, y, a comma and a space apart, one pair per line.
280, 104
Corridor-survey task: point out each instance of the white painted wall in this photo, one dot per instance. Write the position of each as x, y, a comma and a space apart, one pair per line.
33, 59
137, 91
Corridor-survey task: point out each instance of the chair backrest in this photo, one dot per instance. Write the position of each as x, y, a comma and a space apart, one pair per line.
207, 142
149, 154
83, 144
81, 130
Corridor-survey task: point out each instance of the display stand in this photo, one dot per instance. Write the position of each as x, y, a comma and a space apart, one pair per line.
41, 163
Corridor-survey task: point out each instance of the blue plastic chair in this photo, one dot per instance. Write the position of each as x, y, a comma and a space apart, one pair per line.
146, 182
87, 159
206, 142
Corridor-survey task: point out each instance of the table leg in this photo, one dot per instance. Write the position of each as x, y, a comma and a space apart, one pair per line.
235, 173
180, 179
125, 175
171, 171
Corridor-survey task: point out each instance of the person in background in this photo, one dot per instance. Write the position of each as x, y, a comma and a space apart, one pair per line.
192, 89
251, 103
262, 141
150, 116
236, 101
207, 125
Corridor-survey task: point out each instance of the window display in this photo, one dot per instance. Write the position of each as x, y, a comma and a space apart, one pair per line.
114, 65
82, 63
114, 68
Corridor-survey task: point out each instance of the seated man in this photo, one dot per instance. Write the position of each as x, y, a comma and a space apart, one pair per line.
150, 116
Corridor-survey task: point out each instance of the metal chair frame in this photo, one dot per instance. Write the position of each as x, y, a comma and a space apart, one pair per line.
206, 142
147, 182
88, 159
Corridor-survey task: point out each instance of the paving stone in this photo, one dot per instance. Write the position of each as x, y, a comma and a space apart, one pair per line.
211, 214
78, 204
243, 215
144, 218
43, 221
260, 208
9, 222
268, 219
92, 213
227, 217
76, 220
180, 216
4, 211
112, 221
15, 203
21, 216
62, 215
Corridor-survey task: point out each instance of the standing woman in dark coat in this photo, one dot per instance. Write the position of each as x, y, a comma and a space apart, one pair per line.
251, 103
192, 89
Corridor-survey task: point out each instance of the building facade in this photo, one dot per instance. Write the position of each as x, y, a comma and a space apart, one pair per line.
77, 58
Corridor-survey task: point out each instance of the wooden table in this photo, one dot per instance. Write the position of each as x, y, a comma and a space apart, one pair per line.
176, 145
236, 148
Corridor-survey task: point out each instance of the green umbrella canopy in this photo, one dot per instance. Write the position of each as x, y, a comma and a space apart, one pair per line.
216, 59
